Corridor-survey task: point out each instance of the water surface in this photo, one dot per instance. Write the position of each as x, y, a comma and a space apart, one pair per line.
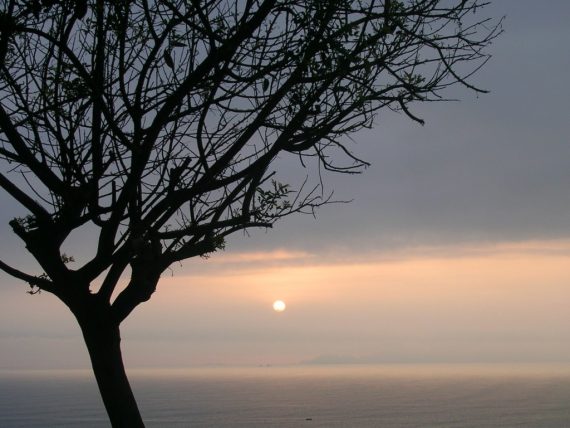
312, 396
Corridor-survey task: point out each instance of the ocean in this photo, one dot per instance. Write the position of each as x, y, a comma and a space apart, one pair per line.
457, 396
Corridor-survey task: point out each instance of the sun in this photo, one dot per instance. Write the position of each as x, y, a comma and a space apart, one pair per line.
279, 306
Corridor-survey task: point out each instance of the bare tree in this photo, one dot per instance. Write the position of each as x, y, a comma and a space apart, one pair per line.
156, 123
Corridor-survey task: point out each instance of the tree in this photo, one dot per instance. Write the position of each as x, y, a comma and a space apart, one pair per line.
156, 123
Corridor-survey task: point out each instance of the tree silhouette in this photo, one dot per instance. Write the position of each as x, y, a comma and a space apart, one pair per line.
156, 123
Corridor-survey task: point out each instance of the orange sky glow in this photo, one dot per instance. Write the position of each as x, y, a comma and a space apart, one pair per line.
502, 303
498, 303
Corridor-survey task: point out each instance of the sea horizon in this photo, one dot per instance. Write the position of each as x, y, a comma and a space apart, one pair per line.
347, 395
310, 363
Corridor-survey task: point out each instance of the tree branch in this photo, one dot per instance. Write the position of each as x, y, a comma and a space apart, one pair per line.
34, 281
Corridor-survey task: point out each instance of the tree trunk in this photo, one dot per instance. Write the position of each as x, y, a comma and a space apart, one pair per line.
103, 342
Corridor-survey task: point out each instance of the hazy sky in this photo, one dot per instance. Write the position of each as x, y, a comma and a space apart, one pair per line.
455, 248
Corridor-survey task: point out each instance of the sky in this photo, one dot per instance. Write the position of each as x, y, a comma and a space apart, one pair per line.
455, 247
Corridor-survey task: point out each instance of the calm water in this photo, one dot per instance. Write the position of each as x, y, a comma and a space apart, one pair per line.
347, 396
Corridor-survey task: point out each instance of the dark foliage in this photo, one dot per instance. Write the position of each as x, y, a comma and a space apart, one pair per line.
157, 123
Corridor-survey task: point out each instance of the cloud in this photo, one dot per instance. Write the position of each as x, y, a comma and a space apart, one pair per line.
261, 257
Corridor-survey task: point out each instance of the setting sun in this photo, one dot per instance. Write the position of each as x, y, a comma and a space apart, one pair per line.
279, 306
